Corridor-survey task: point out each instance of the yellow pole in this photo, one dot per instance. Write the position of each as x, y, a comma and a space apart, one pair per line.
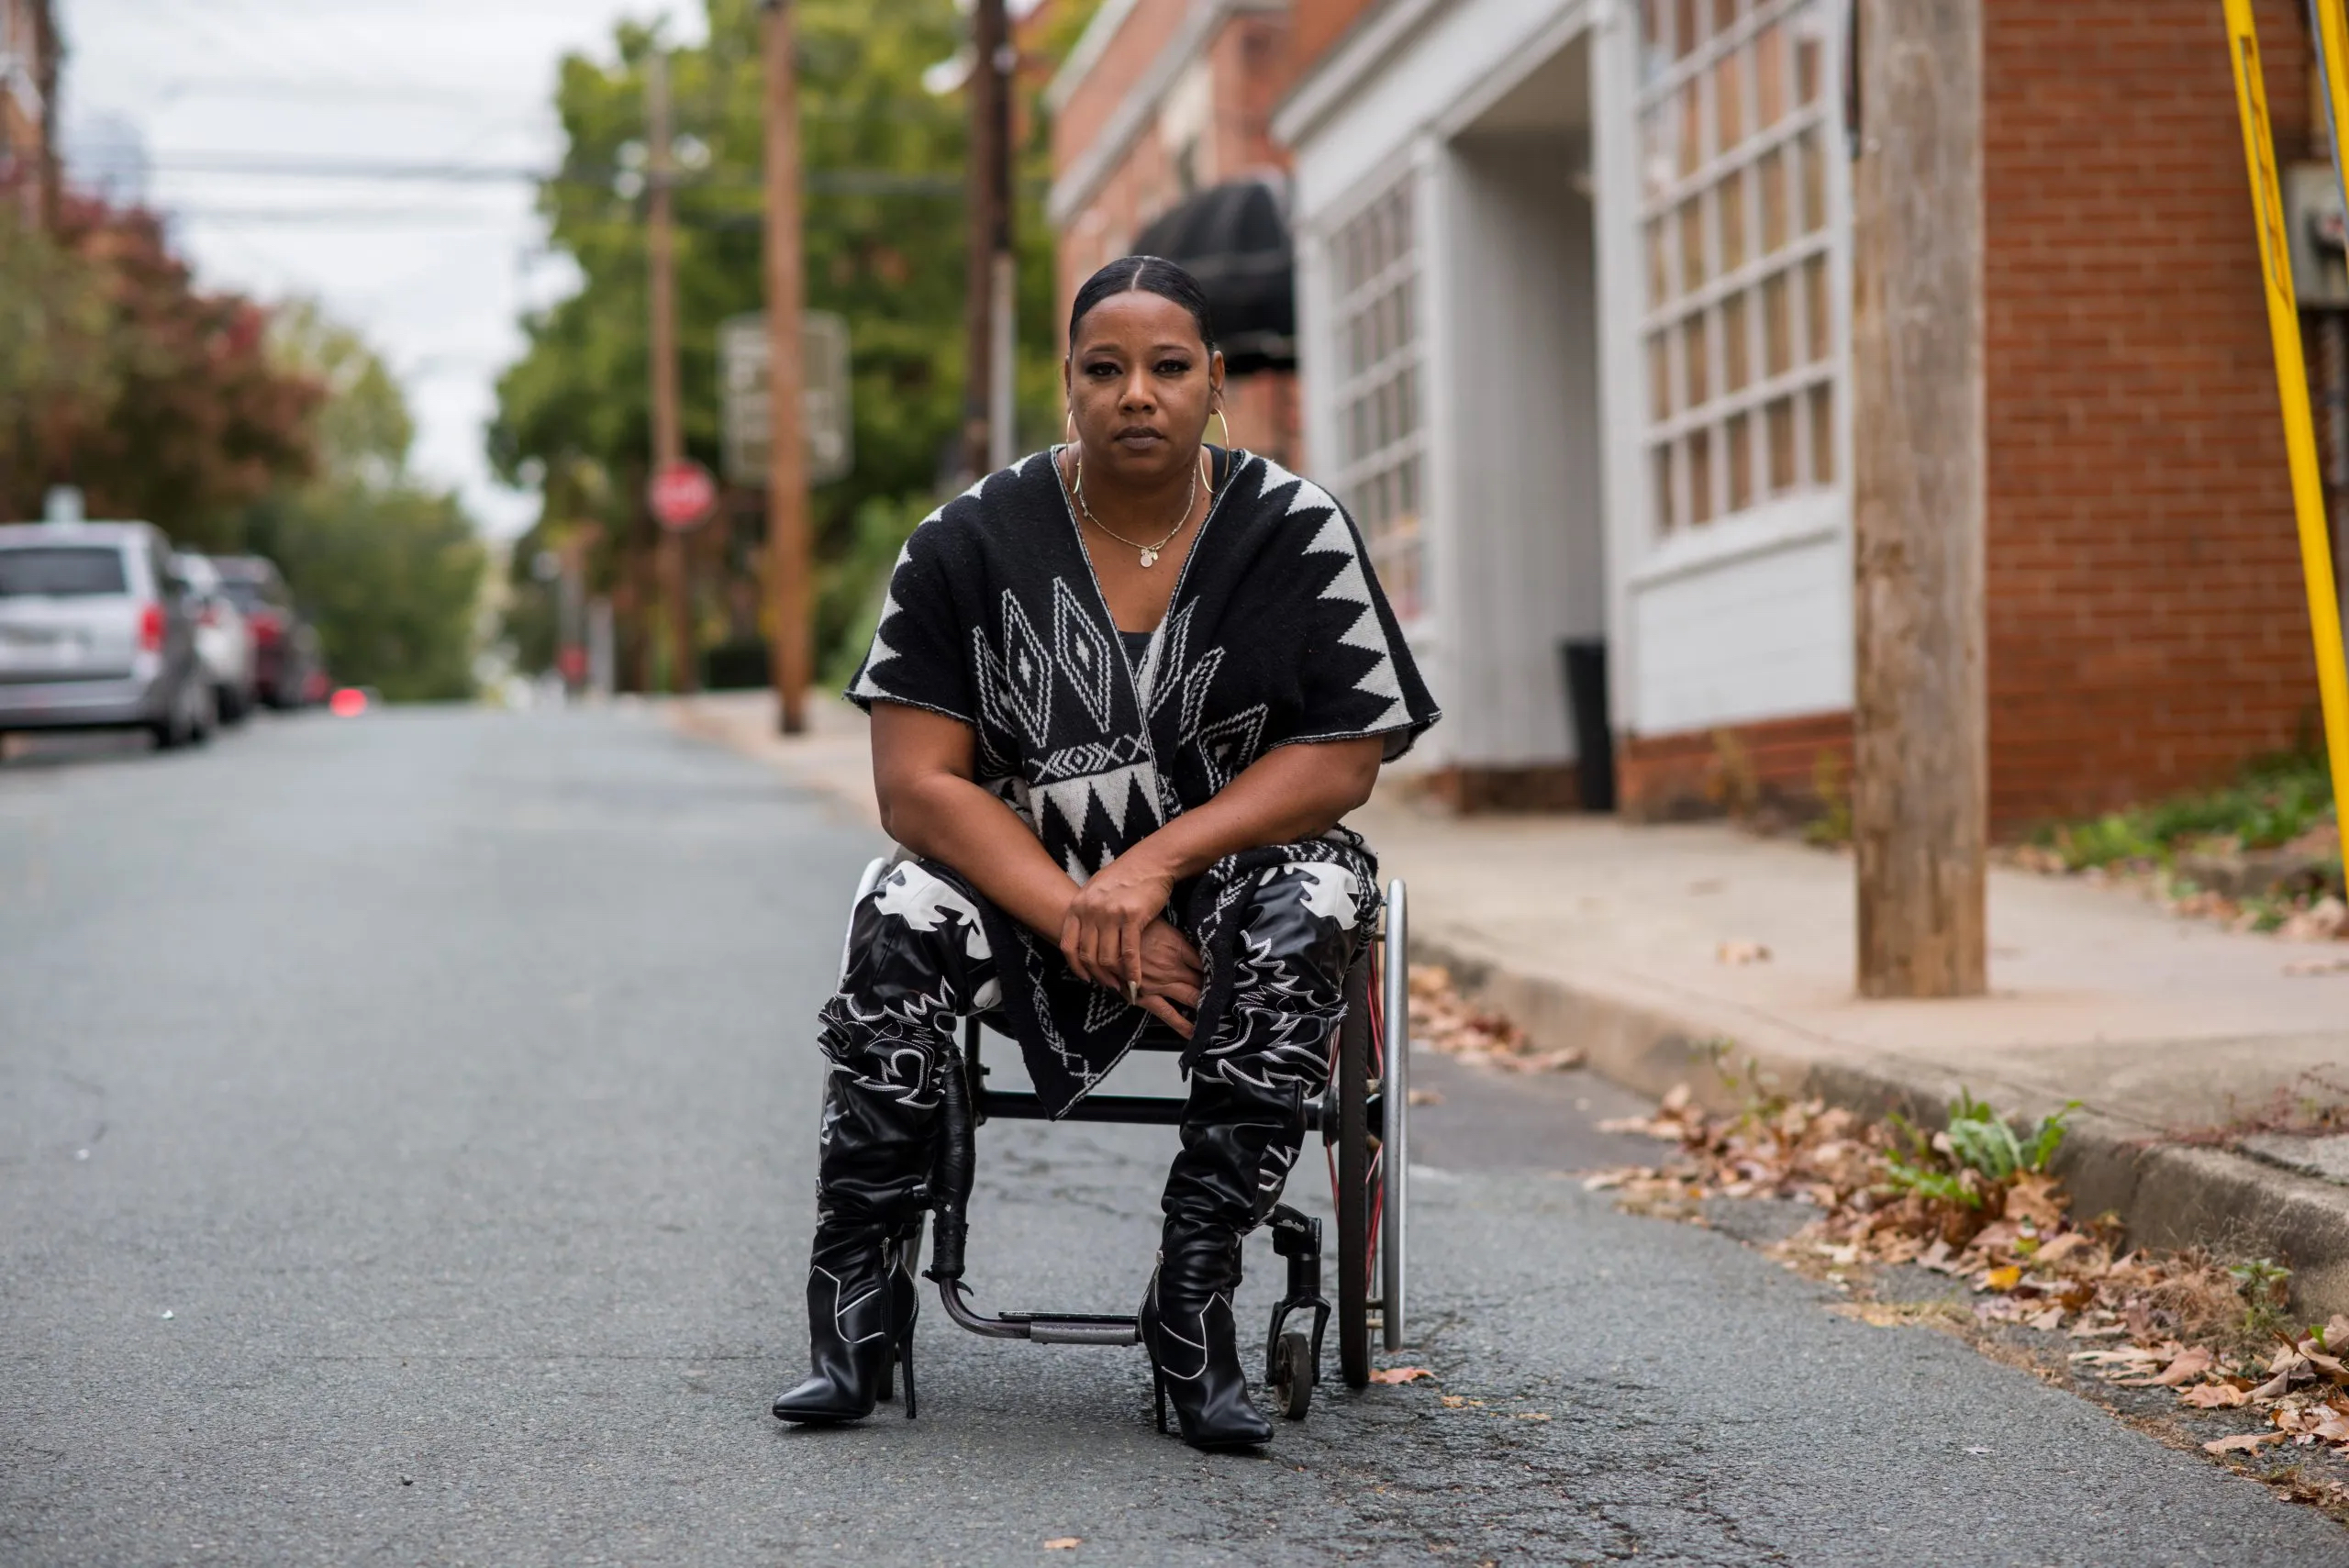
2292, 385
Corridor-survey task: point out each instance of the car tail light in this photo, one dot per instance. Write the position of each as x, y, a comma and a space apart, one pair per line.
150, 627
265, 627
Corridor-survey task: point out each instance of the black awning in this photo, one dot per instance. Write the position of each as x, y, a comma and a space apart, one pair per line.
1234, 238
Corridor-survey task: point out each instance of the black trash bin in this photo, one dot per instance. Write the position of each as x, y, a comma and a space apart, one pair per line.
1585, 661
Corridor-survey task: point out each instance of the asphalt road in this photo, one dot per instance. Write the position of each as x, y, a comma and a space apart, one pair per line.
405, 1157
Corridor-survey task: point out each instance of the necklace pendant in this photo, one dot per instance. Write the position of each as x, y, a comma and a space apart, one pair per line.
1149, 559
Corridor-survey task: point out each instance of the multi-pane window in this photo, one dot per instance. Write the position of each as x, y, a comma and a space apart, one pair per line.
1738, 252
1381, 462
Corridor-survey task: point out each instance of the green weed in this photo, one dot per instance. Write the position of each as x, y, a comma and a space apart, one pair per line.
2265, 1285
1976, 1154
2275, 801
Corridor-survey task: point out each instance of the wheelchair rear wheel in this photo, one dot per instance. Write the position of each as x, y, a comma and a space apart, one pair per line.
1357, 1174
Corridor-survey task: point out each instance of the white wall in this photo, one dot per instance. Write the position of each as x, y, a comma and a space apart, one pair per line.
1764, 637
1518, 411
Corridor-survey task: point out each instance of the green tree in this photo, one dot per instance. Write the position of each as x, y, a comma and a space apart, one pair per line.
388, 570
884, 243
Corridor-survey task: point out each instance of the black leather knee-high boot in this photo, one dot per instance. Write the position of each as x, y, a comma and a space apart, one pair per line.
861, 1299
1238, 1140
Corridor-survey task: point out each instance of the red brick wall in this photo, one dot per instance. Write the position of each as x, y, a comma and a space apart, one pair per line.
1315, 26
1147, 29
1253, 60
2147, 624
1774, 767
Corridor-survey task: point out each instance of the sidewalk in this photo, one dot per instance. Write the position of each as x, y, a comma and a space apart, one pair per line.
1611, 938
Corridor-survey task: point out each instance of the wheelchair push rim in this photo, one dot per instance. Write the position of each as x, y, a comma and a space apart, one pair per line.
1369, 1145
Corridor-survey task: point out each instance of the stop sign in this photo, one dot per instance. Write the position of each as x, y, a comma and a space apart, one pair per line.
683, 495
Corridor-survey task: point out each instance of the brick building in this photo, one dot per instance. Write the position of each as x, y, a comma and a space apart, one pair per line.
1574, 333
29, 62
1159, 100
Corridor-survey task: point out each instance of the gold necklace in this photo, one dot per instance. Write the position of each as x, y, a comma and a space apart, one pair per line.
1148, 551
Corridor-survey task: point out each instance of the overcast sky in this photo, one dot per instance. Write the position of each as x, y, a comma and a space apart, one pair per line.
226, 93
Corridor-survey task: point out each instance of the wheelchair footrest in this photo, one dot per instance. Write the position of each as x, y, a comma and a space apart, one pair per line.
1077, 1328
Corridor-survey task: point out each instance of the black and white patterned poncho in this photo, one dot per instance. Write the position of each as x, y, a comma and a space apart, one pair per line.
1277, 633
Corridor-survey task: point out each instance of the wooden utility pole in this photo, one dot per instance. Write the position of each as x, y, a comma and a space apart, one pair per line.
794, 652
987, 432
668, 429
1921, 784
48, 50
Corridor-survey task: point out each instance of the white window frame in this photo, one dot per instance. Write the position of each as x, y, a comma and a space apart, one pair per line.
1811, 505
1404, 275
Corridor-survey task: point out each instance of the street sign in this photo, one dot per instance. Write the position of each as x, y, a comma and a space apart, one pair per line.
744, 428
682, 493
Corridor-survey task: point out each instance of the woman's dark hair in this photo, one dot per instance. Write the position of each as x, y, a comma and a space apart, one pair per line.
1150, 274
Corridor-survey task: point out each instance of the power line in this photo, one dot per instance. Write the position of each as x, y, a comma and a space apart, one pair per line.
269, 165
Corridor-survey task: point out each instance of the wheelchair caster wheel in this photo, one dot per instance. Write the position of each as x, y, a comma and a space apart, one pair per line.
1292, 1386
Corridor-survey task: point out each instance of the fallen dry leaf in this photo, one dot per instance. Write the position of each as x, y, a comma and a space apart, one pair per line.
2244, 1442
1065, 1543
1426, 1097
2051, 1319
2050, 1253
1741, 953
2336, 1335
1444, 1020
2325, 920
2189, 1365
1565, 1059
2096, 1326
1533, 1415
1459, 1401
2321, 1422
2003, 1279
2034, 1197
2214, 1396
1400, 1374
1895, 1314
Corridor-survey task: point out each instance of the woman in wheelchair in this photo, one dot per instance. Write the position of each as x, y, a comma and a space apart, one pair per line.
1122, 694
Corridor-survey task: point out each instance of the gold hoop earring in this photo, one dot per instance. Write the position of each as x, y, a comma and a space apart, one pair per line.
1227, 428
1068, 427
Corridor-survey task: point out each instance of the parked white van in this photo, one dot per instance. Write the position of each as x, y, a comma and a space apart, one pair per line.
95, 629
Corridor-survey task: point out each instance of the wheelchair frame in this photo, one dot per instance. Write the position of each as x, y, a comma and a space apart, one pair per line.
1364, 1121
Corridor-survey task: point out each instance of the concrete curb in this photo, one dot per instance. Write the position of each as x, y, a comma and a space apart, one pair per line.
1649, 1037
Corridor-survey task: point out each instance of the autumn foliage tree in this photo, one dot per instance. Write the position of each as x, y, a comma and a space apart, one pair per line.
159, 400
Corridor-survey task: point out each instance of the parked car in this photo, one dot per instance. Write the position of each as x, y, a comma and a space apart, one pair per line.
224, 639
95, 629
285, 647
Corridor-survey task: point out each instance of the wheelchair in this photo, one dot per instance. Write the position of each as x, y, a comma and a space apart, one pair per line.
1363, 1118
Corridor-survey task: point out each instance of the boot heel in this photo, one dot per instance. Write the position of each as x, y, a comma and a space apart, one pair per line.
1158, 1389
906, 1354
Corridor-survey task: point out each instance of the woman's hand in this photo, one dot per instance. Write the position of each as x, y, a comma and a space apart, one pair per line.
1101, 935
1171, 977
